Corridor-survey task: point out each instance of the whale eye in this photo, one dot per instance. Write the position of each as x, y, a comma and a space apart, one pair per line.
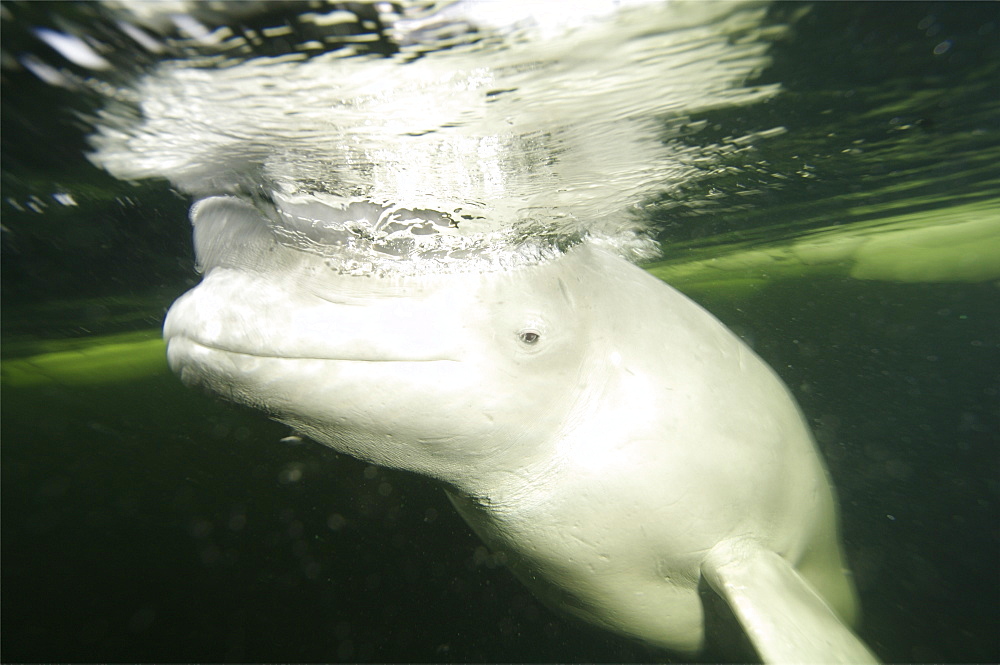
529, 336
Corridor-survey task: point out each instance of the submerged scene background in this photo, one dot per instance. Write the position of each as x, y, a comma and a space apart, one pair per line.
857, 251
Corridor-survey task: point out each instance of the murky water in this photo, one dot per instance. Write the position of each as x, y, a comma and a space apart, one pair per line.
828, 189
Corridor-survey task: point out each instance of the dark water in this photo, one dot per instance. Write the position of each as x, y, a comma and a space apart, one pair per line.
145, 522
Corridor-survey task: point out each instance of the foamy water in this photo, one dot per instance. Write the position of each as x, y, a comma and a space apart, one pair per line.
490, 138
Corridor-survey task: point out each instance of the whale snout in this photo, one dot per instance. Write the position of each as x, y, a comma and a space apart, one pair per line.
275, 315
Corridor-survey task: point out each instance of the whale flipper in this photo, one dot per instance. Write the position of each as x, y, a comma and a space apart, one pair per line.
785, 619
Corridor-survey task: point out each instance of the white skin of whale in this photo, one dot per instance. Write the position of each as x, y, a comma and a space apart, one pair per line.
610, 436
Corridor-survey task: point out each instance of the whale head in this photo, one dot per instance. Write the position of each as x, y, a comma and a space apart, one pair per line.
434, 373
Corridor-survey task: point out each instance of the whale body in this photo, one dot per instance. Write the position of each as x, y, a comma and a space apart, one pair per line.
618, 443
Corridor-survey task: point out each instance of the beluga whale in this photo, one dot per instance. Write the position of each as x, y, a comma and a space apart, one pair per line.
428, 261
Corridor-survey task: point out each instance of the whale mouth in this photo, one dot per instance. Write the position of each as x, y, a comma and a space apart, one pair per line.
185, 346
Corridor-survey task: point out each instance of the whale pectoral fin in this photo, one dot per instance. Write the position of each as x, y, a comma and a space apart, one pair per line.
786, 620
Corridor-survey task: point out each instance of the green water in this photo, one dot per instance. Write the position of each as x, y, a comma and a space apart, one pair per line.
143, 521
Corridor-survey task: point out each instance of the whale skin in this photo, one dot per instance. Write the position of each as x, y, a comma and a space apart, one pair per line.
613, 439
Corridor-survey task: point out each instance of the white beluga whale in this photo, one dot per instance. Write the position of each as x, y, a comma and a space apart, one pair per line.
607, 434
426, 261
